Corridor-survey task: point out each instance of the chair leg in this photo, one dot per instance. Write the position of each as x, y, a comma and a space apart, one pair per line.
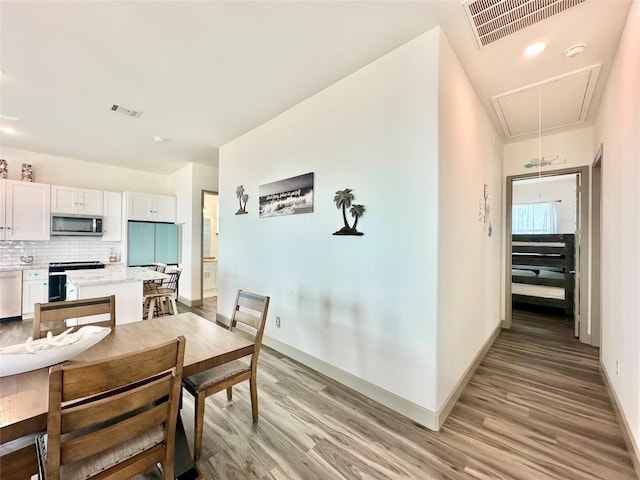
199, 425
174, 307
229, 394
253, 386
152, 306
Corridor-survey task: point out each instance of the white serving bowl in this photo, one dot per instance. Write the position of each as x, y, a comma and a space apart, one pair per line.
14, 363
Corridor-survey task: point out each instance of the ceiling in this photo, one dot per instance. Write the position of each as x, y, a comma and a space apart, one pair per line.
204, 72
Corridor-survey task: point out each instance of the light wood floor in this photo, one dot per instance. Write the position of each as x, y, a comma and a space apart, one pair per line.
536, 408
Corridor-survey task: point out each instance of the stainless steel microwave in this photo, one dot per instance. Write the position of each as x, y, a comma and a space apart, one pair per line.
71, 224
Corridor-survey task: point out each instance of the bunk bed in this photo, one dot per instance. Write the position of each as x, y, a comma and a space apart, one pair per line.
543, 268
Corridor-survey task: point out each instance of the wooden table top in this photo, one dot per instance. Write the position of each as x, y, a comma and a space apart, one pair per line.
24, 397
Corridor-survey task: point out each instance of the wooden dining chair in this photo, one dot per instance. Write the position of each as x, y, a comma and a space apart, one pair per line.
251, 311
50, 317
113, 418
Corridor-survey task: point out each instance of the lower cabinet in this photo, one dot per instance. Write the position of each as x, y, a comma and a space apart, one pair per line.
35, 289
210, 278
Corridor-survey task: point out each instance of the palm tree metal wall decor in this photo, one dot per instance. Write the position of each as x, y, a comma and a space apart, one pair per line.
343, 199
242, 200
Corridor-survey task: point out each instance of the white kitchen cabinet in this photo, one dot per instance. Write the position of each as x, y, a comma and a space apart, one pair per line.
210, 278
112, 216
35, 289
149, 207
25, 210
75, 200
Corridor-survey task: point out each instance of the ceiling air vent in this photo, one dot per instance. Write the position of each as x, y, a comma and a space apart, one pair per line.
129, 112
492, 20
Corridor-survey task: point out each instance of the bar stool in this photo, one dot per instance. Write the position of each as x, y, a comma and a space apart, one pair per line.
163, 295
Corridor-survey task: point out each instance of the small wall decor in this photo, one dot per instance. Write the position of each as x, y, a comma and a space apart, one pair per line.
242, 200
484, 209
4, 169
546, 161
291, 196
27, 172
343, 199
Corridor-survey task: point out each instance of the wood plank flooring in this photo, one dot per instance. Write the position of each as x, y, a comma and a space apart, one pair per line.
536, 409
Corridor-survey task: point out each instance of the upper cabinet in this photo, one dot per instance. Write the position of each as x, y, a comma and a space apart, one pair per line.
76, 200
151, 208
112, 217
25, 210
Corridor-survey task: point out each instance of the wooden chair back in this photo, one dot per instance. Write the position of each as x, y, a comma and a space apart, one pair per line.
158, 267
251, 311
97, 408
51, 316
171, 283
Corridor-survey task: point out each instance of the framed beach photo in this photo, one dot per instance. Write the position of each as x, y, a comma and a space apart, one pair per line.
287, 197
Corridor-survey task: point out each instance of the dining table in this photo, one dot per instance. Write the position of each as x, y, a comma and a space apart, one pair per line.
24, 397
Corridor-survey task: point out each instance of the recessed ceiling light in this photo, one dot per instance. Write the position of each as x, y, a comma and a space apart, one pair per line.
159, 139
535, 49
8, 130
575, 50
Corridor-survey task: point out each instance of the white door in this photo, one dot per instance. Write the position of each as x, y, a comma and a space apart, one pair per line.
90, 202
139, 206
3, 223
165, 209
577, 314
112, 217
64, 199
28, 211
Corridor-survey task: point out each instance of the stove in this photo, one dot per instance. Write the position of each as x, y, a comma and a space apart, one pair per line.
62, 266
58, 280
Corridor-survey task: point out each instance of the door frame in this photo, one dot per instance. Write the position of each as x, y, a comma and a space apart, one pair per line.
583, 173
203, 193
596, 248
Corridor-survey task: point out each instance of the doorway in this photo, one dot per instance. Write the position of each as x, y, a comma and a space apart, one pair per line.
209, 267
567, 226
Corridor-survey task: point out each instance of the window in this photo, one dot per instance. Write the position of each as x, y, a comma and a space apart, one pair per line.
534, 218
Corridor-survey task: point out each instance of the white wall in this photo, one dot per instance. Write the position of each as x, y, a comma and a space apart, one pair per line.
187, 185
469, 261
371, 310
77, 173
575, 147
362, 305
618, 129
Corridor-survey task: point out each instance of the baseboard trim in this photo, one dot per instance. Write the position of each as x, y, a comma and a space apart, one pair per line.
453, 397
632, 447
411, 410
190, 303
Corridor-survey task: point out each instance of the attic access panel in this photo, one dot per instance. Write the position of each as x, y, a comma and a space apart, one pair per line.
564, 101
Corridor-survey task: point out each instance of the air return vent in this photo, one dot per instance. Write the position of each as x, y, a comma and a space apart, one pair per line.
492, 20
130, 112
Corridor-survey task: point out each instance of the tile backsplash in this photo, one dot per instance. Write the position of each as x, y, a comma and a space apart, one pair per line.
58, 249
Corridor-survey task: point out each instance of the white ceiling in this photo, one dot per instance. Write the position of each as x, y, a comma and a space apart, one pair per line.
205, 72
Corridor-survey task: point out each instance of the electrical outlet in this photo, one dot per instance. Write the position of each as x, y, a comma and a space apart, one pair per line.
278, 322
617, 368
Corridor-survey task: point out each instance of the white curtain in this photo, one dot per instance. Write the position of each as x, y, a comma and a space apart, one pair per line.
534, 218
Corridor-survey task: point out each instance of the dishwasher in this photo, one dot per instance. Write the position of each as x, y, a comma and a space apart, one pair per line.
11, 295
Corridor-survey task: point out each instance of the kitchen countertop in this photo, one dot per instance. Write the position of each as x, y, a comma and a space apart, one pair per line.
29, 266
113, 274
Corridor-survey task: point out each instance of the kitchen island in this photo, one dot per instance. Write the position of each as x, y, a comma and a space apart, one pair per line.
123, 282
